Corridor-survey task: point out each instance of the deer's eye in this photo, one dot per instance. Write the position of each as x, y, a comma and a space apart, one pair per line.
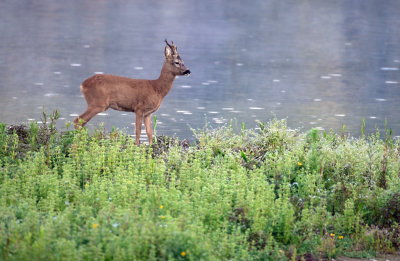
177, 63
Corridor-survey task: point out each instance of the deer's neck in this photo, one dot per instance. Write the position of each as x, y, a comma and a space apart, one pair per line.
163, 84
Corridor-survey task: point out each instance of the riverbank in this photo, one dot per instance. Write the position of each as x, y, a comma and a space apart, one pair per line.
266, 194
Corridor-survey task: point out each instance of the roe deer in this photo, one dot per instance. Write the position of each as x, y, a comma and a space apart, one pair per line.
143, 97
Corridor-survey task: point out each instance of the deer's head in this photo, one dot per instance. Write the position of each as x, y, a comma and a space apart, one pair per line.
174, 61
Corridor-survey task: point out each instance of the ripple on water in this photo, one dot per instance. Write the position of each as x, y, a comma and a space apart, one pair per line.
184, 112
389, 68
51, 94
138, 68
73, 115
227, 109
219, 120
256, 108
391, 82
317, 100
325, 77
380, 99
205, 83
75, 64
186, 86
102, 114
372, 117
98, 72
340, 115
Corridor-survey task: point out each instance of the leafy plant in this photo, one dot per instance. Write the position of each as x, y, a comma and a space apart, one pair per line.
265, 194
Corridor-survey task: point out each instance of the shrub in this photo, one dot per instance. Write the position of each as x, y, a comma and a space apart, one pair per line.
266, 194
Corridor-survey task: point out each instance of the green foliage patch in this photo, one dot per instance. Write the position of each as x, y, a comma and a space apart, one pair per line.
266, 194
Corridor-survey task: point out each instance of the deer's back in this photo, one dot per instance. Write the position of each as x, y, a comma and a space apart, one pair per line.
112, 81
120, 93
111, 85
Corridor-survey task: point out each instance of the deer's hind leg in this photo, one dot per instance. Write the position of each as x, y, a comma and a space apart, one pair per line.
90, 112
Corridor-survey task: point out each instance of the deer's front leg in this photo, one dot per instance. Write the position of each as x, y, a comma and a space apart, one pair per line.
138, 126
149, 129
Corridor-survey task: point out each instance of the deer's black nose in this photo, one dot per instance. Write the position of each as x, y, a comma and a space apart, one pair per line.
187, 72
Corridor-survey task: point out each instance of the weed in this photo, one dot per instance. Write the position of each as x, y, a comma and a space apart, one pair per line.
266, 194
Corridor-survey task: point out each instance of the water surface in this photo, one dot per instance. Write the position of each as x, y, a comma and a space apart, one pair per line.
318, 64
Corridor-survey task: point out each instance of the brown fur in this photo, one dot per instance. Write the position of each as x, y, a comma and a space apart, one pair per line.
141, 96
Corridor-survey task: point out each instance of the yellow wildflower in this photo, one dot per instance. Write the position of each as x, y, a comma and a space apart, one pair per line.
332, 234
161, 206
95, 225
162, 217
299, 163
340, 237
281, 251
87, 185
183, 253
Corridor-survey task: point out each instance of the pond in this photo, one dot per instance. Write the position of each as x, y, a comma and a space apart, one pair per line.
318, 64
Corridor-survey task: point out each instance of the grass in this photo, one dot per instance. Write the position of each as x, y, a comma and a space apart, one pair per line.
266, 194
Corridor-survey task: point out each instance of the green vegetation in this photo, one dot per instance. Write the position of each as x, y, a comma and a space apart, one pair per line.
265, 194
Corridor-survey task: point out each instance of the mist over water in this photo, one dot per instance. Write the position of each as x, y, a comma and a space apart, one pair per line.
320, 64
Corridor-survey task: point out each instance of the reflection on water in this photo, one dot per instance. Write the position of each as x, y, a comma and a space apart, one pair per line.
319, 64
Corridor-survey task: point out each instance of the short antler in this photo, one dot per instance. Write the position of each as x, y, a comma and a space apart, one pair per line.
166, 41
172, 46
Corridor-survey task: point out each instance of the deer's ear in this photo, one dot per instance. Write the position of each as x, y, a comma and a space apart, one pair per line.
168, 52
